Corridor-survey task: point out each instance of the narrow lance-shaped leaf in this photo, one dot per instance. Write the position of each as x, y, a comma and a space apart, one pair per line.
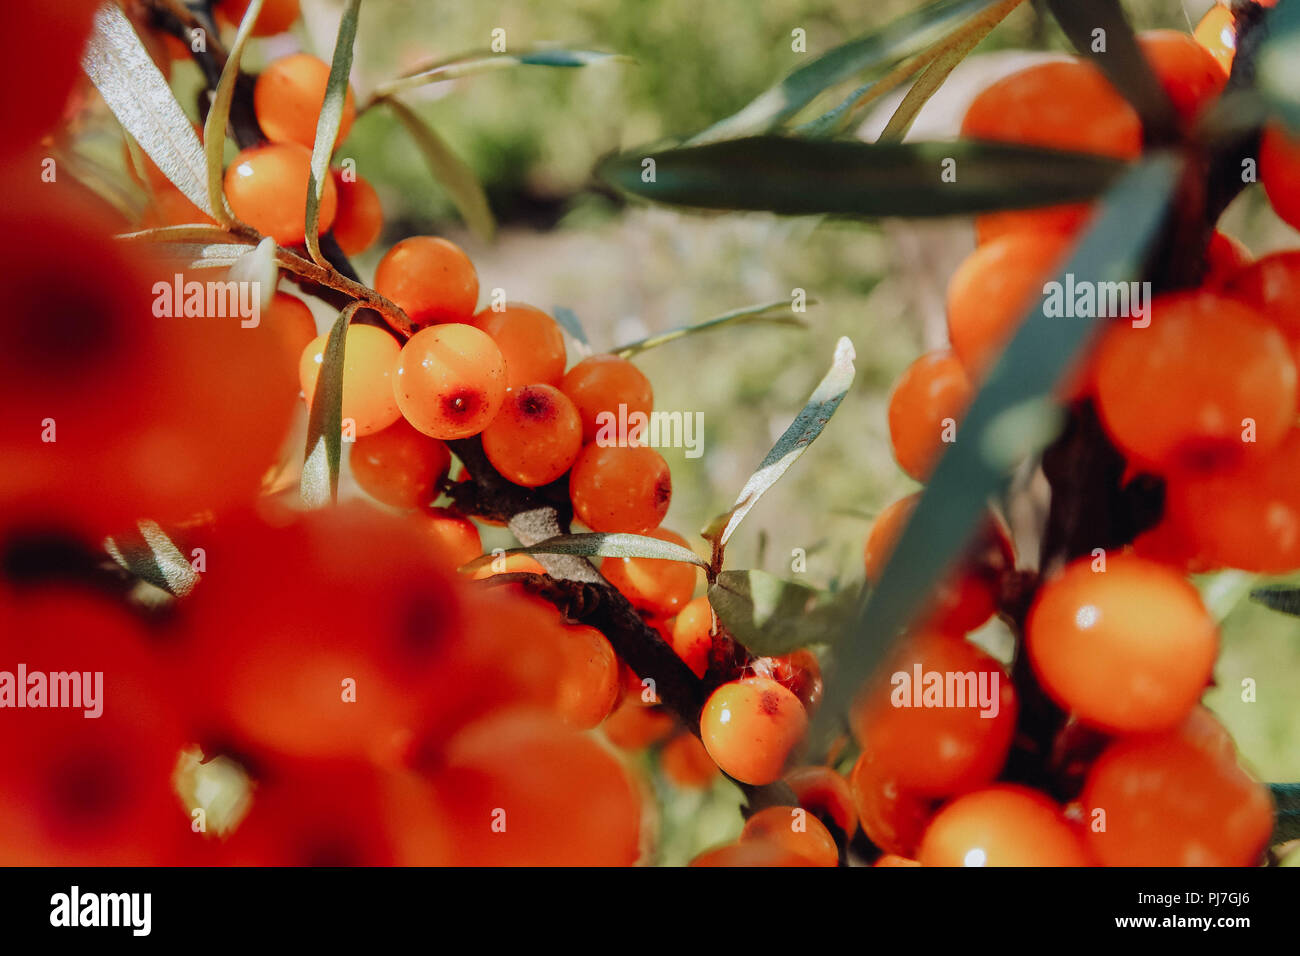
138, 94
976, 467
1120, 58
600, 545
803, 431
152, 556
903, 38
327, 126
450, 171
320, 472
214, 128
1286, 798
1284, 599
773, 313
815, 177
837, 119
571, 324
476, 64
771, 617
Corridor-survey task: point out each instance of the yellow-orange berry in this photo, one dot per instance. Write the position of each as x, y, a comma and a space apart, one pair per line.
924, 408
399, 466
368, 357
823, 791
751, 727
599, 384
430, 279
753, 853
530, 340
360, 218
692, 634
535, 437
1189, 73
795, 829
288, 97
893, 859
634, 726
620, 488
1279, 171
687, 764
267, 188
291, 321
455, 537
655, 585
588, 686
450, 381
1001, 826
277, 16
1217, 32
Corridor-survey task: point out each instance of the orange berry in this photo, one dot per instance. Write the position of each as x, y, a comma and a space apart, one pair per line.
795, 829
277, 16
994, 289
1176, 799
825, 793
1226, 258
600, 384
267, 188
291, 321
588, 686
360, 217
652, 584
535, 437
171, 207
692, 634
1190, 74
750, 728
430, 279
44, 40
893, 859
456, 537
530, 340
509, 564
450, 381
1271, 285
620, 488
892, 818
1279, 171
799, 672
399, 466
1127, 649
687, 764
1217, 33
368, 357
634, 726
924, 408
1001, 826
288, 97
1208, 382
751, 853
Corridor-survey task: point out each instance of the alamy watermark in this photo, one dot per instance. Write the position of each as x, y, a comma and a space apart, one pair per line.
922, 688
624, 429
82, 690
212, 299
1084, 299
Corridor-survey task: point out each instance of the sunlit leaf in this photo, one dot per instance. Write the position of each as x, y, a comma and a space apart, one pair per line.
214, 128
327, 126
771, 617
320, 472
152, 556
770, 313
476, 64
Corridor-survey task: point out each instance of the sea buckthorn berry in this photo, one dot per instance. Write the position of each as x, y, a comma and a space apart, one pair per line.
656, 585
535, 437
1175, 799
753, 853
588, 687
687, 764
893, 859
1271, 285
692, 634
288, 97
795, 829
360, 217
751, 727
1210, 381
277, 16
826, 793
924, 408
291, 322
430, 279
1067, 105
456, 538
1279, 171
399, 466
939, 717
1217, 33
509, 564
993, 290
599, 384
620, 488
267, 188
892, 818
450, 381
1127, 649
530, 340
368, 357
634, 726
1189, 73
1001, 826
1225, 259
799, 672
46, 40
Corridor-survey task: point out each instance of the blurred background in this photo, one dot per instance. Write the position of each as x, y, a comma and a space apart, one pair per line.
533, 134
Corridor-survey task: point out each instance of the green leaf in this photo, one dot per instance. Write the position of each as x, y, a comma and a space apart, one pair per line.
138, 94
320, 473
152, 556
596, 545
462, 186
972, 471
1286, 799
1122, 61
1284, 599
771, 617
905, 37
803, 431
214, 128
194, 247
474, 64
327, 126
815, 177
776, 312
1277, 66
838, 119
570, 322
